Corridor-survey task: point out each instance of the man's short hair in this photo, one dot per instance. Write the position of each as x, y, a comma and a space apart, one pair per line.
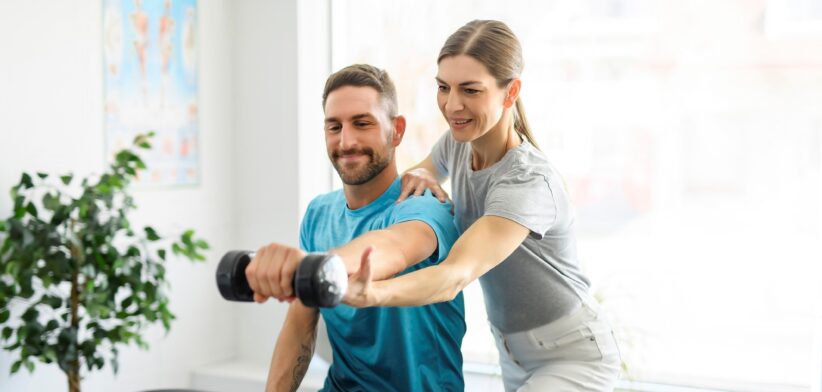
364, 75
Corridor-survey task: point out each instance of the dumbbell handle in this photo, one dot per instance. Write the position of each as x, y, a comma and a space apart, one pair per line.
320, 280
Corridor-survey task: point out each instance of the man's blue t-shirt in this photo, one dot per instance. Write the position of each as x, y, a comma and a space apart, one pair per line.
388, 348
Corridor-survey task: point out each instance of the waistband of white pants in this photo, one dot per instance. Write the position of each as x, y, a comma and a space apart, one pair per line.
588, 310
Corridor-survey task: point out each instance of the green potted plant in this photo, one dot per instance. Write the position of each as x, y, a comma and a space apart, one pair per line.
77, 281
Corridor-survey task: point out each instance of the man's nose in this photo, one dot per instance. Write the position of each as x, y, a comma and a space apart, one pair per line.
348, 138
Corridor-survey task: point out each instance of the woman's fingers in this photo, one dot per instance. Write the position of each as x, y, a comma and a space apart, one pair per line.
408, 186
439, 193
415, 182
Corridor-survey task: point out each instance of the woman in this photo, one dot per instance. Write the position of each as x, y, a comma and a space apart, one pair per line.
516, 224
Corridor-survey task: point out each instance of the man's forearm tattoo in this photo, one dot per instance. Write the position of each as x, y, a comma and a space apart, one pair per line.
303, 360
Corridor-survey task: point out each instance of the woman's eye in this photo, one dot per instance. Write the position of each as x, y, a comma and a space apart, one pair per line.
442, 88
471, 91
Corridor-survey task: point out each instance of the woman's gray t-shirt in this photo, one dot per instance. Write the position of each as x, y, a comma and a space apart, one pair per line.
541, 281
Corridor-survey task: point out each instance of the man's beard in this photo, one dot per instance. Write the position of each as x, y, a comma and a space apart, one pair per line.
375, 165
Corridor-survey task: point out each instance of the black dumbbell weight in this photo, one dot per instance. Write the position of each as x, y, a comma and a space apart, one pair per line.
320, 280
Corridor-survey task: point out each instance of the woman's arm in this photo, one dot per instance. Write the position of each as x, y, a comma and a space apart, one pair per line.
489, 241
427, 164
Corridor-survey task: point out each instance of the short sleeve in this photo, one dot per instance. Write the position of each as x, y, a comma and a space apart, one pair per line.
429, 210
525, 197
305, 228
442, 153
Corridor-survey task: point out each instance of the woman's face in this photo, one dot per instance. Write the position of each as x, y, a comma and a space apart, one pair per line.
468, 97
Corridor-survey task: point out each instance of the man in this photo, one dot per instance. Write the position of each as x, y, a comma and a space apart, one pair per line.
374, 349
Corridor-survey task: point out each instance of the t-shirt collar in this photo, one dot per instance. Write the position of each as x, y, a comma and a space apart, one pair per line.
387, 198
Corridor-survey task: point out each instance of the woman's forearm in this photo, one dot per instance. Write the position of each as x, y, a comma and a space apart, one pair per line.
486, 244
429, 285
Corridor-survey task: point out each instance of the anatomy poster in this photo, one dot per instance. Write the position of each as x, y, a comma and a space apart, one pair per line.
150, 84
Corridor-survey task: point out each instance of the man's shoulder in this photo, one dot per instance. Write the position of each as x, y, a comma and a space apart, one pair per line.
315, 222
321, 207
426, 205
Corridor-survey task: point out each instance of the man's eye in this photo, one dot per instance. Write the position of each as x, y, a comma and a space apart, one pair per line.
333, 129
362, 124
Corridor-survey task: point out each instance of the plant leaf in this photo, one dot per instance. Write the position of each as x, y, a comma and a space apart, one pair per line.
151, 234
78, 238
31, 209
18, 201
54, 302
30, 314
186, 237
7, 333
127, 302
25, 181
51, 202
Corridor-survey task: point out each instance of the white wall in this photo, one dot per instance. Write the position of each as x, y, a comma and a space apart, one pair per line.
51, 120
280, 64
265, 150
252, 85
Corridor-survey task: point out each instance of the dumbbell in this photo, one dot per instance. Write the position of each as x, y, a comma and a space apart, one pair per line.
320, 280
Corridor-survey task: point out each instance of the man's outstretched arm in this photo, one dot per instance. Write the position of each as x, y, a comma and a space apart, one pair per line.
294, 349
271, 272
396, 248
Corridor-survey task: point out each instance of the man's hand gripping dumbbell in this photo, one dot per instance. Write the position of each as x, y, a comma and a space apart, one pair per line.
317, 279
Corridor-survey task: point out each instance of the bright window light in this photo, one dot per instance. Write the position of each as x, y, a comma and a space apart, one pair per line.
690, 139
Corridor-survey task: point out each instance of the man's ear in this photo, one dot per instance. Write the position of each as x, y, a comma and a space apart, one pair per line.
399, 130
512, 93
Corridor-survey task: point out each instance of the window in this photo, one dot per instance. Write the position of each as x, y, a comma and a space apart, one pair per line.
793, 19
691, 147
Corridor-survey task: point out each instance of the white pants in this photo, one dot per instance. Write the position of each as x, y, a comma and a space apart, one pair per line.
575, 353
